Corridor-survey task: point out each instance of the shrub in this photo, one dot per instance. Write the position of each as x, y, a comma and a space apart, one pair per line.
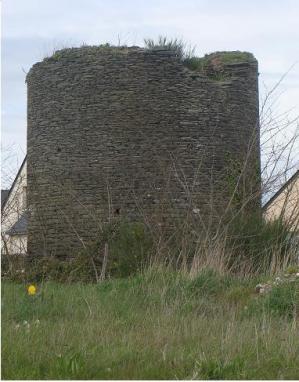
77, 268
209, 282
130, 251
282, 300
239, 295
12, 266
252, 238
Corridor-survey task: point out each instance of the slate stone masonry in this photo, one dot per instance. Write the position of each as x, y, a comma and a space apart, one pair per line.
128, 130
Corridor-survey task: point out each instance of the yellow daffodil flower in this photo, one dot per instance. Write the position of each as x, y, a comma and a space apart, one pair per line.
31, 290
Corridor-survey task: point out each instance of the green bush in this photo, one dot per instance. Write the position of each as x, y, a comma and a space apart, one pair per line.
282, 300
209, 282
77, 268
239, 294
251, 238
12, 267
130, 250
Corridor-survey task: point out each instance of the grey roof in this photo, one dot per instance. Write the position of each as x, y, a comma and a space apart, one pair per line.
4, 195
20, 227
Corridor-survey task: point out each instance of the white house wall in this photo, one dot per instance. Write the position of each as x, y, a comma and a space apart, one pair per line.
286, 205
12, 211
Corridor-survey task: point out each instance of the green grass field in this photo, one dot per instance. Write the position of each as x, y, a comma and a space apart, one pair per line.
156, 325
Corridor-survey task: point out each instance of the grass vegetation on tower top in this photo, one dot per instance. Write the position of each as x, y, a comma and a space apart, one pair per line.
186, 54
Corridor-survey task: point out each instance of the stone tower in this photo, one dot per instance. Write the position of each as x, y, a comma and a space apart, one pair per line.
127, 130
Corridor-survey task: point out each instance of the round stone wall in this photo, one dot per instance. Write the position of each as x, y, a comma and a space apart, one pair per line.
130, 132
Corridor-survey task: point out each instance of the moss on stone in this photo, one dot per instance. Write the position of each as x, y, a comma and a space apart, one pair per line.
232, 56
89, 49
213, 65
217, 59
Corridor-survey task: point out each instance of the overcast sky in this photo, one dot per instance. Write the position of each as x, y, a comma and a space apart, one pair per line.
32, 29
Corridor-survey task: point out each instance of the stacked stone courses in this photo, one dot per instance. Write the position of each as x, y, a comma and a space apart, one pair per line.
125, 131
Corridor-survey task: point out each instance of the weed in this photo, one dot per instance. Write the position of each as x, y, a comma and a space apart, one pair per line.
219, 369
181, 49
208, 282
283, 300
157, 324
253, 239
